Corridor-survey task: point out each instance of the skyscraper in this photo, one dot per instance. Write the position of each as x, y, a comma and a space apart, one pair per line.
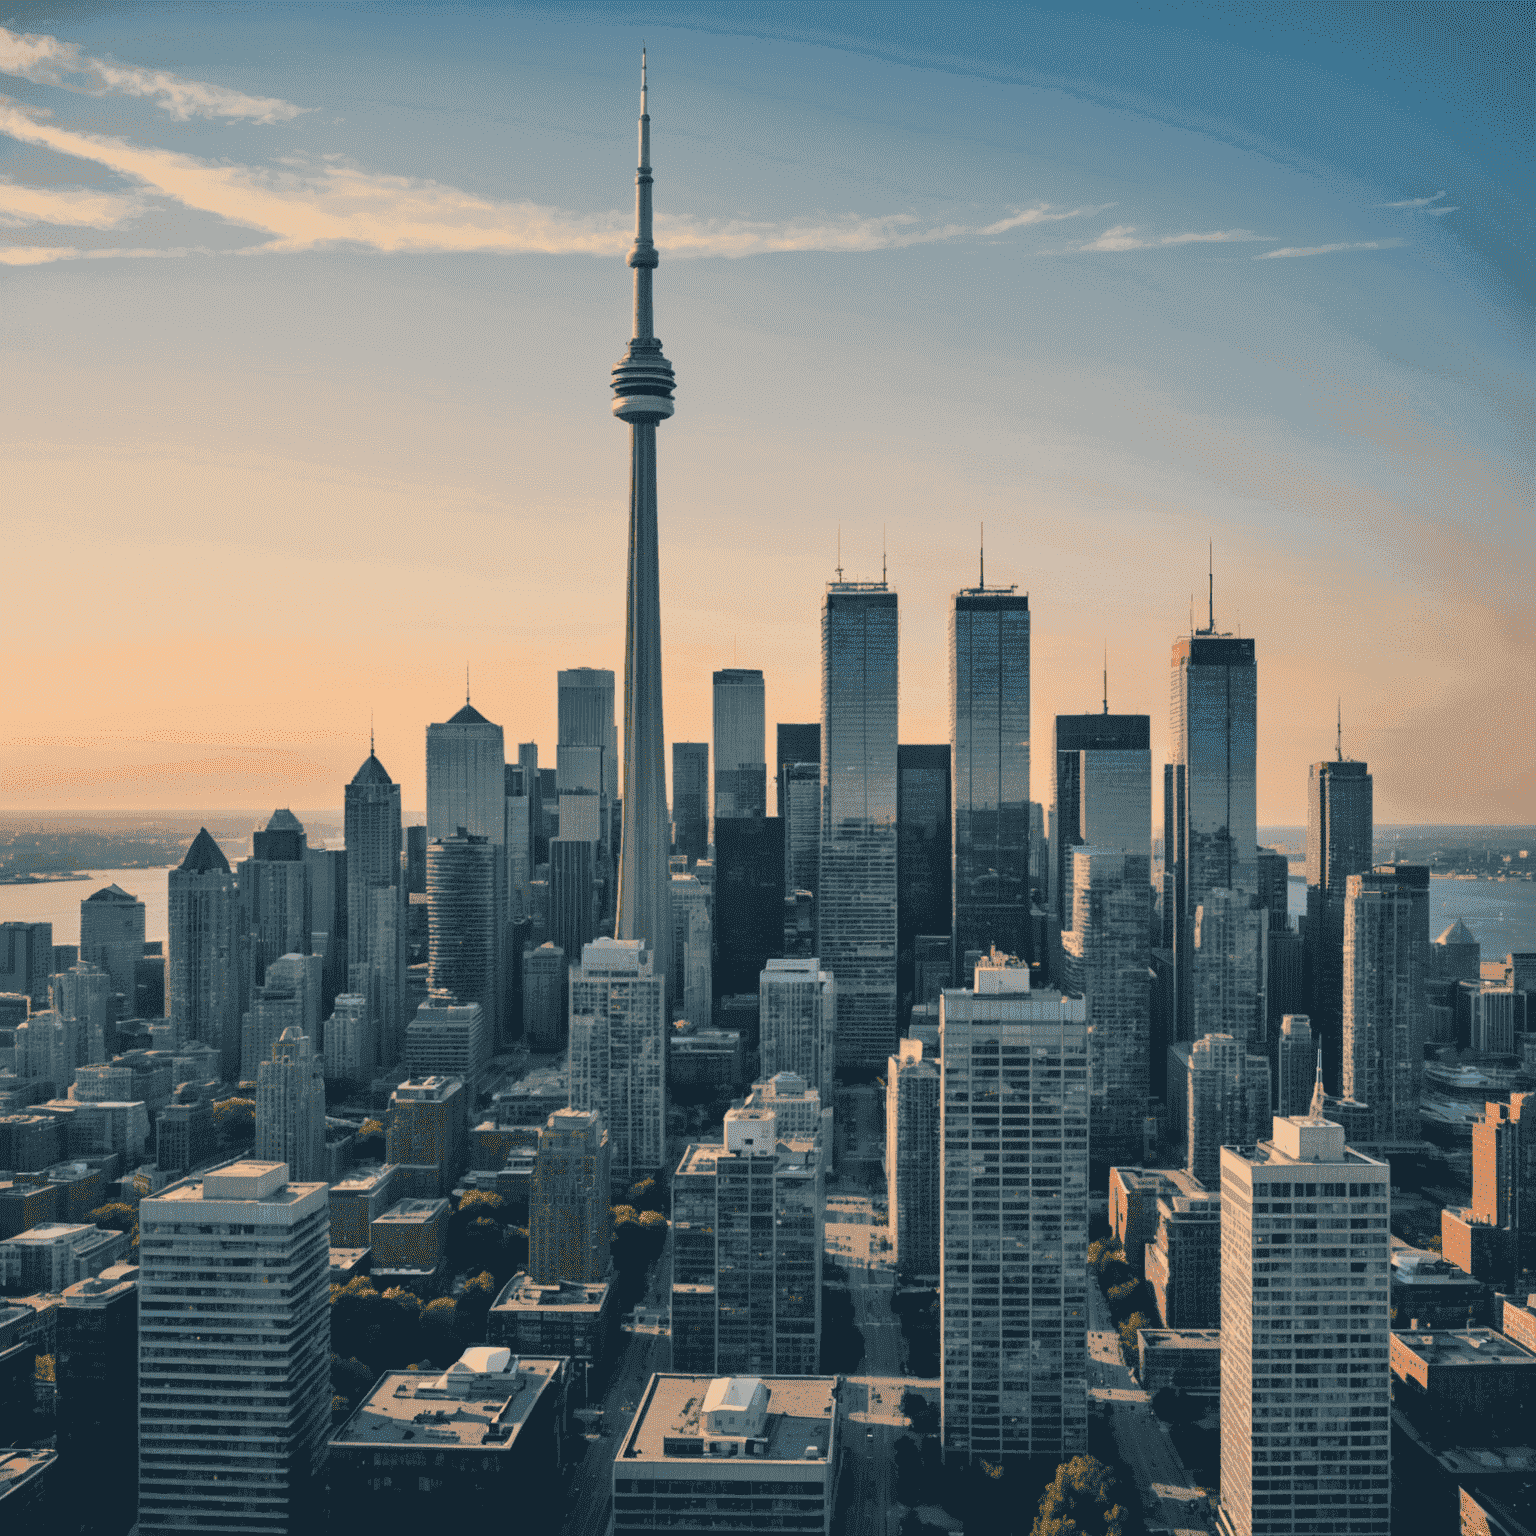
1228, 967
1209, 810
517, 805
800, 793
572, 893
741, 770
290, 998
691, 976
912, 1160
1102, 794
922, 853
464, 947
747, 1225
1106, 954
568, 1214
448, 1038
690, 799
748, 899
1386, 951
797, 1022
290, 1108
112, 936
642, 387
234, 1375
1013, 1191
1340, 827
1504, 1175
466, 783
80, 997
586, 766
1227, 1096
856, 900
203, 960
618, 1052
794, 744
1297, 1063
274, 894
351, 1040
1305, 1446
989, 739
26, 960
376, 902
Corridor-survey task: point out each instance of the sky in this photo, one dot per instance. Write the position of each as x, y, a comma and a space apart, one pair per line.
307, 314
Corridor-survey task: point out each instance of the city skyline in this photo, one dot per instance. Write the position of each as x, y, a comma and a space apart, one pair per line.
1298, 526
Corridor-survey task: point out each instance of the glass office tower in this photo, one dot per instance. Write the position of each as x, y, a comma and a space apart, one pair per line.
922, 853
741, 769
989, 741
1102, 794
690, 799
856, 907
1209, 817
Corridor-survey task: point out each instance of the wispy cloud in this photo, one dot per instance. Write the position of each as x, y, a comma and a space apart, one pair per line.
305, 205
21, 206
1328, 250
1124, 237
1415, 202
47, 61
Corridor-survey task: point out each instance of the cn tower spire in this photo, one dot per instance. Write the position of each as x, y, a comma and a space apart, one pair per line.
642, 388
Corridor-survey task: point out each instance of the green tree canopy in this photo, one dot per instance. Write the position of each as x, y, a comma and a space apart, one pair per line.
117, 1215
1083, 1499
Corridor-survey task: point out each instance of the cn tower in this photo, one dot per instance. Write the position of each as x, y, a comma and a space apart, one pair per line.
642, 387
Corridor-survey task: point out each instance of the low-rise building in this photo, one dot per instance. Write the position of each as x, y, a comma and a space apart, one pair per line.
26, 1481
185, 1136
1133, 1196
1516, 1320
754, 1453
699, 1056
1183, 1261
484, 1438
29, 1142
1429, 1291
1180, 1360
1465, 1382
409, 1242
428, 1135
571, 1318
56, 1254
26, 1202
81, 1187
358, 1200
348, 1263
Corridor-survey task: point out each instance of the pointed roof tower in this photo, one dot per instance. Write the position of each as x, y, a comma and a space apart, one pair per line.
283, 820
1457, 933
1315, 1114
469, 715
113, 893
203, 856
372, 772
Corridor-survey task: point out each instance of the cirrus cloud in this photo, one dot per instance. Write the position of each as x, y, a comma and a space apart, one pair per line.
1328, 250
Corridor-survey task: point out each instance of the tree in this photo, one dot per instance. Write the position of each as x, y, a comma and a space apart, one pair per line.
236, 1120
475, 1305
117, 1215
1128, 1331
483, 1203
1083, 1499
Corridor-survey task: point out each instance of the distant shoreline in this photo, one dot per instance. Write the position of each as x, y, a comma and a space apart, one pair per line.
46, 879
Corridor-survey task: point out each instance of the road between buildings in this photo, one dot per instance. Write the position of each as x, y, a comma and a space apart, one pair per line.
1172, 1500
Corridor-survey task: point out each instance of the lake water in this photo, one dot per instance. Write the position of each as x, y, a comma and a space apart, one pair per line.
1502, 914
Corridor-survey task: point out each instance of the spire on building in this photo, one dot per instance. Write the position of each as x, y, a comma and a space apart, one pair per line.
204, 855
1315, 1115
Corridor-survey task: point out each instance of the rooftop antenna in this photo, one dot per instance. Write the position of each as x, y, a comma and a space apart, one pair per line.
466, 682
1106, 677
1210, 555
839, 551
1338, 740
1315, 1115
983, 587
370, 733
882, 554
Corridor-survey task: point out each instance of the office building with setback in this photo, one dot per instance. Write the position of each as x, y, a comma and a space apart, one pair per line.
912, 1160
741, 769
234, 1348
856, 894
203, 951
449, 1038
290, 1108
797, 1022
618, 1053
743, 1453
112, 936
1306, 1387
376, 903
1013, 1191
428, 1135
747, 1230
274, 894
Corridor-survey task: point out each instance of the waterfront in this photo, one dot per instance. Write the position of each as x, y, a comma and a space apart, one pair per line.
58, 901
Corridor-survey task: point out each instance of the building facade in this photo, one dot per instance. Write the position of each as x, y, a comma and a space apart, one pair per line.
234, 1372
989, 788
741, 769
290, 1108
1013, 1190
797, 1022
1306, 1387
690, 799
203, 952
912, 1160
376, 902
569, 1224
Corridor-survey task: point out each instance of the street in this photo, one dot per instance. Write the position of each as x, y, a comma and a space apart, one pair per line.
1173, 1502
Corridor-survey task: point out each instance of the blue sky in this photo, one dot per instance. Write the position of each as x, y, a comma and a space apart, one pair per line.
308, 313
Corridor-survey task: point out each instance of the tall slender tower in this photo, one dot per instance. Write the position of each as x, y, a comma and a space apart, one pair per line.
642, 387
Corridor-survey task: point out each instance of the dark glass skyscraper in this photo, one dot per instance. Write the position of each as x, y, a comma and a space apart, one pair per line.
749, 900
690, 799
1102, 794
856, 901
376, 901
989, 740
741, 769
1340, 828
795, 744
922, 853
1209, 816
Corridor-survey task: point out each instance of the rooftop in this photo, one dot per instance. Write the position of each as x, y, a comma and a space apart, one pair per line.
1462, 1347
1181, 1338
479, 1403
414, 1212
372, 772
16, 1466
248, 1181
204, 855
469, 715
523, 1293
669, 1423
364, 1179
112, 893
